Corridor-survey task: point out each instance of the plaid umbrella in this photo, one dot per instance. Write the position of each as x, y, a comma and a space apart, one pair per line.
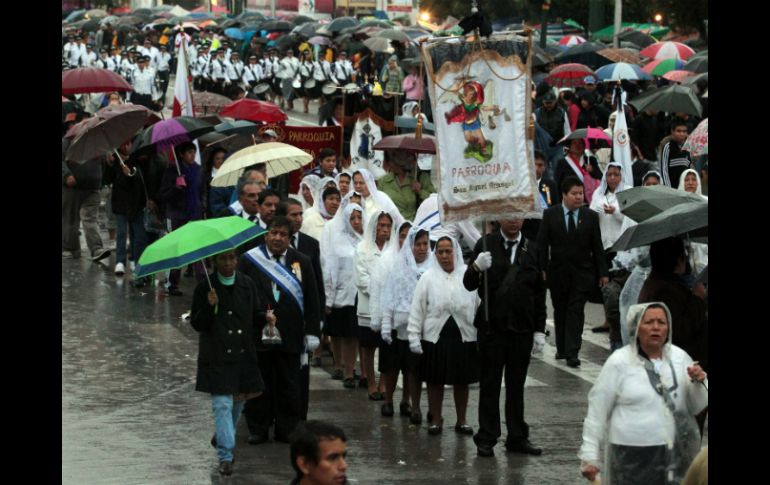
698, 141
568, 75
666, 50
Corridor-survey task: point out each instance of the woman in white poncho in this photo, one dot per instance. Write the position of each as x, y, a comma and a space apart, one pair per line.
689, 181
379, 236
344, 180
326, 202
374, 200
338, 246
441, 329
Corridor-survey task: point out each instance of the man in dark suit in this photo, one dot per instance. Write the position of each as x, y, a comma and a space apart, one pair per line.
572, 235
286, 281
292, 210
247, 205
547, 191
515, 328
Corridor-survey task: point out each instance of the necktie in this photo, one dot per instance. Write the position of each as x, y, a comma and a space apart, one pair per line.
571, 223
252, 218
276, 291
509, 249
293, 243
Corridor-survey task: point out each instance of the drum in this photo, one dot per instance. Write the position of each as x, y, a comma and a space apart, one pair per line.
261, 88
329, 89
297, 83
287, 88
350, 88
313, 88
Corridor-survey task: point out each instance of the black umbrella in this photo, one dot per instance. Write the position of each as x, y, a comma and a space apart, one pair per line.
231, 23
697, 64
375, 23
90, 25
277, 26
340, 23
585, 53
301, 19
639, 38
307, 30
540, 57
239, 127
671, 99
286, 42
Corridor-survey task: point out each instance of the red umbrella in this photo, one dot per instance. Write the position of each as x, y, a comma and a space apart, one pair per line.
92, 80
665, 50
253, 110
569, 75
678, 76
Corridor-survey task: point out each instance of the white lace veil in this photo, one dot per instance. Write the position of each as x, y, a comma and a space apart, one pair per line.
318, 203
397, 293
313, 182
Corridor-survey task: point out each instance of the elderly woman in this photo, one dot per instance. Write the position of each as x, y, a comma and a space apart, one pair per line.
374, 200
641, 409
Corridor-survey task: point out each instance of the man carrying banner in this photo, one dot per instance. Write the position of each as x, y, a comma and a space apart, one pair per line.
286, 281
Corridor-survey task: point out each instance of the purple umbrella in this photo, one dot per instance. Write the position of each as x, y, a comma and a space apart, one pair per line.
320, 40
173, 131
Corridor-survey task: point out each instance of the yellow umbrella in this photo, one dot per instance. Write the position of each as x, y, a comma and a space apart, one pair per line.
279, 157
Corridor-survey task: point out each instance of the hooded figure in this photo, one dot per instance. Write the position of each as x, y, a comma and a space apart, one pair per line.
315, 218
377, 201
641, 410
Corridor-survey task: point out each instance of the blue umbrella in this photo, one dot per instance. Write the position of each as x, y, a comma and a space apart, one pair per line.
235, 33
621, 70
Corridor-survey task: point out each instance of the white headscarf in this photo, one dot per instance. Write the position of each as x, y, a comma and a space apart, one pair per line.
379, 277
339, 239
621, 186
452, 297
396, 299
381, 200
699, 190
337, 180
634, 320
312, 182
318, 202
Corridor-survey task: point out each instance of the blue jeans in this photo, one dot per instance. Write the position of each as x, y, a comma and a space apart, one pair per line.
135, 230
226, 413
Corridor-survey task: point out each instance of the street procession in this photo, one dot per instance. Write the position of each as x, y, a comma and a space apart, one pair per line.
391, 241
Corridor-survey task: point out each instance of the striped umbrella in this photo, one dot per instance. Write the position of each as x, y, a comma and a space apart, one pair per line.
570, 40
678, 76
569, 75
660, 67
665, 50
621, 70
698, 141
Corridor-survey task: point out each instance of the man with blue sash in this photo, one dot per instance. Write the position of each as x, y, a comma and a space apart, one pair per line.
286, 281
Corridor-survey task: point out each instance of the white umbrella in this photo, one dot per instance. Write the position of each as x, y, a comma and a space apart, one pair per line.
279, 157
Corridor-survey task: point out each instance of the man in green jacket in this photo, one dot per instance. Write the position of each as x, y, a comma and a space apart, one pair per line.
406, 189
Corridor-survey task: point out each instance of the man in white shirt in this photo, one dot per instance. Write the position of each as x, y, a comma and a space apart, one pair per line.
163, 69
217, 72
149, 50
143, 82
117, 60
104, 61
89, 58
128, 66
289, 69
201, 68
68, 50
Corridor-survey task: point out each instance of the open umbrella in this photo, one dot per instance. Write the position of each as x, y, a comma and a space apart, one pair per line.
595, 136
239, 127
254, 110
409, 143
111, 128
570, 40
92, 80
639, 38
195, 241
689, 219
642, 203
568, 75
301, 20
666, 50
671, 99
393, 34
205, 102
280, 158
341, 23
379, 44
678, 76
320, 40
235, 33
307, 30
277, 26
659, 67
585, 53
173, 131
96, 13
698, 64
621, 70
698, 141
620, 55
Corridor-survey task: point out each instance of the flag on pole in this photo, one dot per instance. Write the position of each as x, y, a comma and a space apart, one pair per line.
183, 105
621, 143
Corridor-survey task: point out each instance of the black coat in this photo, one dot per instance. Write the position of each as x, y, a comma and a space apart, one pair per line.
128, 192
291, 322
516, 292
563, 170
575, 259
227, 357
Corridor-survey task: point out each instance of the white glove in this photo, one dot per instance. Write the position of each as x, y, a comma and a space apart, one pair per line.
375, 324
303, 359
483, 261
385, 332
539, 343
414, 344
311, 342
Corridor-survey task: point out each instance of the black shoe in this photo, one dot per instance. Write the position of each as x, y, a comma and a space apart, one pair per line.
174, 291
363, 383
226, 468
573, 362
560, 356
258, 439
377, 396
435, 429
404, 409
429, 417
100, 254
214, 440
338, 376
387, 410
601, 329
484, 450
523, 446
349, 383
464, 429
416, 417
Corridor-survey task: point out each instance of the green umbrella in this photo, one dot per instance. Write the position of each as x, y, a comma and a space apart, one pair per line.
195, 241
642, 203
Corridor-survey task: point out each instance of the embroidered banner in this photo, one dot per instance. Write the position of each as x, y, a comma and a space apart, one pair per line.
480, 92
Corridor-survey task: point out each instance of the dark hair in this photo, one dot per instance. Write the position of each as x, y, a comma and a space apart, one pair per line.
421, 233
444, 238
268, 193
665, 254
305, 438
677, 122
384, 214
241, 186
184, 146
568, 96
346, 174
283, 208
326, 152
569, 182
649, 174
539, 154
329, 191
279, 221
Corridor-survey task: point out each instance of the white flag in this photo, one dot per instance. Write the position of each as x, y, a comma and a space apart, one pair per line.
621, 146
183, 105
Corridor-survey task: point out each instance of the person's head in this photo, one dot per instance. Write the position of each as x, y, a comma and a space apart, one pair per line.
253, 175
344, 184
356, 220
331, 200
577, 147
668, 256
355, 198
342, 55
590, 83
103, 53
445, 254
679, 131
549, 100
278, 233
217, 157
185, 152
306, 191
292, 210
651, 178
572, 192
403, 231
234, 56
612, 175
540, 164
421, 246
607, 98
327, 159
384, 228
268, 203
318, 451
511, 227
252, 59
401, 161
114, 98
248, 196
568, 96
689, 181
269, 135
393, 62
290, 53
653, 328
225, 262
359, 184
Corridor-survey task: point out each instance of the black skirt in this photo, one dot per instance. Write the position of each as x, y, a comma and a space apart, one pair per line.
450, 360
341, 322
369, 338
398, 357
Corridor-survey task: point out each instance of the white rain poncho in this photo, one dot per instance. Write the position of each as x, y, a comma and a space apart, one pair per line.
379, 275
609, 224
377, 201
699, 252
312, 182
367, 255
338, 247
624, 409
315, 218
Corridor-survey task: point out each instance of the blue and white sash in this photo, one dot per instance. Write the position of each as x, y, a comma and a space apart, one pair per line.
236, 208
278, 274
431, 221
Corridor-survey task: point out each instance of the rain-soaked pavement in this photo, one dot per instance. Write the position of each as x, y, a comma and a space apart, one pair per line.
130, 414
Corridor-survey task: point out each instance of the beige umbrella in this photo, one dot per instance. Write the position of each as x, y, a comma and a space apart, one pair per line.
279, 157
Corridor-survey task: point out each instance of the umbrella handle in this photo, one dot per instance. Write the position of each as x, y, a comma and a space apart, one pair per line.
176, 163
216, 307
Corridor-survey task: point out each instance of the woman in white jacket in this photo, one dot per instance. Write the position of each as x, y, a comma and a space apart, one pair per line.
374, 200
379, 236
326, 202
642, 407
338, 246
441, 329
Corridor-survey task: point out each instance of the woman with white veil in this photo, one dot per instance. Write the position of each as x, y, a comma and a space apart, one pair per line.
308, 188
412, 261
374, 200
338, 246
344, 181
441, 329
689, 181
379, 236
326, 202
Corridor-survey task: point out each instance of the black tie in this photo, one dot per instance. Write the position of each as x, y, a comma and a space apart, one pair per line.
293, 243
252, 218
571, 223
509, 249
277, 258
